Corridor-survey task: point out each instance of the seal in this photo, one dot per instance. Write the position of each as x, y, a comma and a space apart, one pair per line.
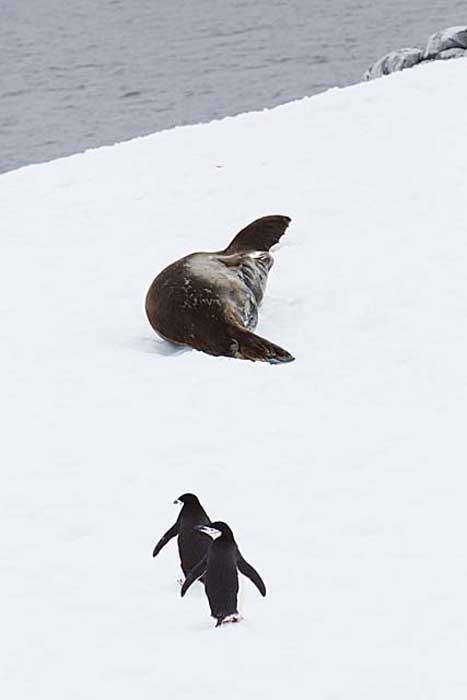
192, 546
210, 301
220, 571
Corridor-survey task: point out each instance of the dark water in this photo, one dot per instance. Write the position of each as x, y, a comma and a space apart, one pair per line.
77, 74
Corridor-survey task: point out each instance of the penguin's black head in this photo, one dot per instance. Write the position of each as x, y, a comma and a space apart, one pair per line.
216, 530
188, 499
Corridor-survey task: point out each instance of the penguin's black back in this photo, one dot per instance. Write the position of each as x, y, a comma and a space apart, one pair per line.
192, 545
221, 579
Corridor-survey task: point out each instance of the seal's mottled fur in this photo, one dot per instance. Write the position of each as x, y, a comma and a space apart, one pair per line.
210, 301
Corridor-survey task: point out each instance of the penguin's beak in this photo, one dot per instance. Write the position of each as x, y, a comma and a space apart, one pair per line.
206, 530
177, 501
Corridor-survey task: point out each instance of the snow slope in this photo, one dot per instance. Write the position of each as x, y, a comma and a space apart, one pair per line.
341, 474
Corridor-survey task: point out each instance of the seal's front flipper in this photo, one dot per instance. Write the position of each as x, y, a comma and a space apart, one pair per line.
248, 346
261, 234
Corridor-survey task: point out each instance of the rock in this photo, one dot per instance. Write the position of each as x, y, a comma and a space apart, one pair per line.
451, 53
394, 61
445, 40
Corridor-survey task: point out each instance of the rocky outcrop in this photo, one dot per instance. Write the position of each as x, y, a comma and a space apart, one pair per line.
445, 44
394, 61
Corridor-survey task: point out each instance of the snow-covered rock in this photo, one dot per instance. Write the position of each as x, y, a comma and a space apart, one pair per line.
446, 44
343, 474
446, 39
394, 61
450, 53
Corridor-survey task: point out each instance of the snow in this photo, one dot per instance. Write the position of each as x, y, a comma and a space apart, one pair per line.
342, 474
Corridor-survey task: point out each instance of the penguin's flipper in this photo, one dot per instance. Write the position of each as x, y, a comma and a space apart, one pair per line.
173, 532
247, 570
261, 234
195, 573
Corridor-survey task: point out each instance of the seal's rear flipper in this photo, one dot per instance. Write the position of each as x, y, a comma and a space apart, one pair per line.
248, 346
262, 234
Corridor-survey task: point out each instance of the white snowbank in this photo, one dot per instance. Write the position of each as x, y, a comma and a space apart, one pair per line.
343, 474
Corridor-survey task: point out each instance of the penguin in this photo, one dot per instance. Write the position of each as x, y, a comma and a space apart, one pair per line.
220, 568
210, 301
192, 545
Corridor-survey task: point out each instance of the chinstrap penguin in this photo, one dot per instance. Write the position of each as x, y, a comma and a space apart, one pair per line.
220, 568
192, 545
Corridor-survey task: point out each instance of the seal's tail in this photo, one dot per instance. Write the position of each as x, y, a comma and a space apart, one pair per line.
261, 234
248, 346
